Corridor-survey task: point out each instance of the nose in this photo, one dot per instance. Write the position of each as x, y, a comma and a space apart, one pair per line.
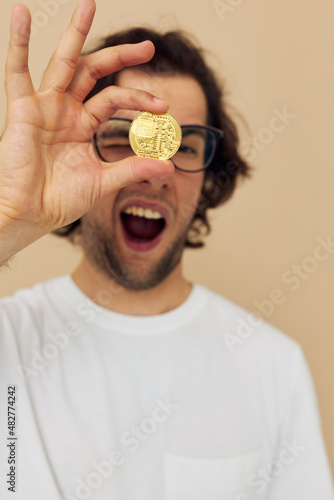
159, 182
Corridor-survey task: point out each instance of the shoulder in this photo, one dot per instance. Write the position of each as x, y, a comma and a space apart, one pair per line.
32, 295
258, 354
246, 334
29, 305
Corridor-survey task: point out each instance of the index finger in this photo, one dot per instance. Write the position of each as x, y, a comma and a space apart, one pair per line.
64, 60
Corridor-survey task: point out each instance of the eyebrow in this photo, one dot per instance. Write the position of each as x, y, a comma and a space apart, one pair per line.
192, 131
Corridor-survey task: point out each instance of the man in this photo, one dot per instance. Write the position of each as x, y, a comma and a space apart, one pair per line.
124, 380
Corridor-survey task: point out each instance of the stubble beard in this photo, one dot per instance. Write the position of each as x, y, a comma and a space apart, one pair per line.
101, 250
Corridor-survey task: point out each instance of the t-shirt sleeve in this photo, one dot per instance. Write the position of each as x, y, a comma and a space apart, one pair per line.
301, 468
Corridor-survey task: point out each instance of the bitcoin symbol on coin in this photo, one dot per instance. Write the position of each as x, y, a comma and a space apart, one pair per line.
155, 136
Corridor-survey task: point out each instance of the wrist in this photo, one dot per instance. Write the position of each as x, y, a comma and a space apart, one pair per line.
15, 236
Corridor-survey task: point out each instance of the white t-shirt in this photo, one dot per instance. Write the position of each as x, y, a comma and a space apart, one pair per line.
204, 402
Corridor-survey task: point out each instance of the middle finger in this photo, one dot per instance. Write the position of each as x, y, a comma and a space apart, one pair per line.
106, 61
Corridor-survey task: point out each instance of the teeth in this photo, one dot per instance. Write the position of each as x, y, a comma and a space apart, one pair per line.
143, 212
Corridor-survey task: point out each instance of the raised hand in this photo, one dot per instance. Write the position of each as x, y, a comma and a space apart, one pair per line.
49, 172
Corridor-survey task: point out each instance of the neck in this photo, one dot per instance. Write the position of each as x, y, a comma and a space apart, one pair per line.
107, 293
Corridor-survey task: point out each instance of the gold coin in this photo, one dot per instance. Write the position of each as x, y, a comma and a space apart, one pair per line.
155, 136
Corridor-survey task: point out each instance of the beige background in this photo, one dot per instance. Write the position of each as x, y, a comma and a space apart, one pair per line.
272, 55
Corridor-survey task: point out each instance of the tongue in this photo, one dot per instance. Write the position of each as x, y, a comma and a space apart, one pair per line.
142, 228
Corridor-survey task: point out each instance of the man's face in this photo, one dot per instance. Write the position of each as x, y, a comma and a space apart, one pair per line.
136, 251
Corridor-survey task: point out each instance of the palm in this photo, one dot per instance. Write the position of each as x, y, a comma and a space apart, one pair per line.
49, 172
52, 160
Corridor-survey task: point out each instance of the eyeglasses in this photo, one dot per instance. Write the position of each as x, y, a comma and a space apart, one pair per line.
198, 146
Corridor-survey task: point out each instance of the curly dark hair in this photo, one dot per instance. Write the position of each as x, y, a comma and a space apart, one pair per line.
176, 53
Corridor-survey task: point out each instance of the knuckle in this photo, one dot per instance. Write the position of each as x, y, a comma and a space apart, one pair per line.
67, 61
135, 97
17, 68
90, 69
20, 39
79, 30
120, 56
58, 89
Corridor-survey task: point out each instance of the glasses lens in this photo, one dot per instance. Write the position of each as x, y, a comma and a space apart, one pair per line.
112, 140
196, 150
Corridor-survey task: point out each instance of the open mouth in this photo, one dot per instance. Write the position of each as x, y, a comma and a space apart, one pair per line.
142, 225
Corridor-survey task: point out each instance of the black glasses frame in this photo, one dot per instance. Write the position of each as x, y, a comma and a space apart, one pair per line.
217, 133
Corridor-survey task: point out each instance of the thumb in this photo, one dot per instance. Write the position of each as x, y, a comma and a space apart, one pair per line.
131, 170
